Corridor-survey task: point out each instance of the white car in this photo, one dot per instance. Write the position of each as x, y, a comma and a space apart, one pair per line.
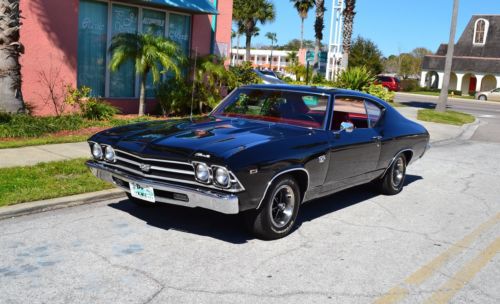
267, 79
489, 95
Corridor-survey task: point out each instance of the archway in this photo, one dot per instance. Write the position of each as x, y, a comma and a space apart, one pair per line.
453, 81
488, 83
469, 82
432, 80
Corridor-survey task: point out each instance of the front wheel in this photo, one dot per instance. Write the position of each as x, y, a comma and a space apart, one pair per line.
393, 180
483, 98
276, 217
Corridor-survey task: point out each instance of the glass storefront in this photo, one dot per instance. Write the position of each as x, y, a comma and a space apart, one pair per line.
94, 38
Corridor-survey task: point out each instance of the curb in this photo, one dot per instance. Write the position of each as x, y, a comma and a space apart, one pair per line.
452, 98
467, 132
59, 203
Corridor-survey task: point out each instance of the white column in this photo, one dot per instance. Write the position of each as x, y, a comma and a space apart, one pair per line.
460, 77
279, 62
498, 81
479, 82
255, 58
422, 79
440, 80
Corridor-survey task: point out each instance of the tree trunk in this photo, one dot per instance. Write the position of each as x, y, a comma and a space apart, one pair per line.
443, 97
248, 44
10, 50
271, 61
301, 33
319, 25
348, 15
142, 98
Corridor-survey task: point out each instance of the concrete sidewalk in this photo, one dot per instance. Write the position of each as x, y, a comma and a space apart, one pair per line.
29, 156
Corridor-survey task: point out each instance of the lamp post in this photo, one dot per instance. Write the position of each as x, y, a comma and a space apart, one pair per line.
443, 97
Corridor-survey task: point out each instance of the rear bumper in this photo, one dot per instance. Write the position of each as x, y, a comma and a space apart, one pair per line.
220, 202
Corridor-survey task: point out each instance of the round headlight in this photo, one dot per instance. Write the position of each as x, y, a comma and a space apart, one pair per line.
222, 177
109, 154
202, 173
97, 151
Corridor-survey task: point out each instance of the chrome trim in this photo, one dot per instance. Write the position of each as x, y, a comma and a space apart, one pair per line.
220, 202
154, 159
394, 159
281, 173
155, 167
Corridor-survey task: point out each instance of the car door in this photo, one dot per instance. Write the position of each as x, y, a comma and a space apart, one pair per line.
495, 95
353, 155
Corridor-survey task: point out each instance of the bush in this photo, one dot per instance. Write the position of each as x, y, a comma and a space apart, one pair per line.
93, 108
243, 74
409, 85
174, 97
22, 125
318, 79
356, 78
381, 92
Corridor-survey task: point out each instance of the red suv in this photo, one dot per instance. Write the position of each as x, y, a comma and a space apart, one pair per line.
391, 83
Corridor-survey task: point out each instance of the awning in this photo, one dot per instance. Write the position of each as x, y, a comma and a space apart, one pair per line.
191, 6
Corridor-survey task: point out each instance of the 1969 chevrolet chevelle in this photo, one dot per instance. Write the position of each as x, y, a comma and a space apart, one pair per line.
263, 151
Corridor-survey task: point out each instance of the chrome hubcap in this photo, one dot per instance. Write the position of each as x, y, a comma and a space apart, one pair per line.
282, 206
398, 172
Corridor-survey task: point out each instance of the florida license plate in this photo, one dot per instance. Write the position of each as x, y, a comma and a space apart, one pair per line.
142, 192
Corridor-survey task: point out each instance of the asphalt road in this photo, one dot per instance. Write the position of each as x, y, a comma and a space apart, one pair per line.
437, 241
487, 112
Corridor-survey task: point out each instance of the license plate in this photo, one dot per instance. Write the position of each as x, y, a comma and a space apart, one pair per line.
142, 192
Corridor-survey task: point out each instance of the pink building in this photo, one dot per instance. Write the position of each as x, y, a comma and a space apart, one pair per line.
66, 42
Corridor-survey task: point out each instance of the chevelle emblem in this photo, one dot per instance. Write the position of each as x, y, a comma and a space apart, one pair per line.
145, 167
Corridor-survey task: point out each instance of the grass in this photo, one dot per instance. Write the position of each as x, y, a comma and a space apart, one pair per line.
429, 93
47, 180
448, 117
44, 140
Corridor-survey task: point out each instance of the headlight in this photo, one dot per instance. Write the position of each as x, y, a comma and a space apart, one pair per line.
97, 151
109, 154
221, 176
202, 173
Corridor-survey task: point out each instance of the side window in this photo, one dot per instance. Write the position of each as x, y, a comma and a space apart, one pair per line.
374, 114
349, 109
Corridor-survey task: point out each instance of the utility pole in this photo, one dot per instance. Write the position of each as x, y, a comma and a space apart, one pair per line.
443, 97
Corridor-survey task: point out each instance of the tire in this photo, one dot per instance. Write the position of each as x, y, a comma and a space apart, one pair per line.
139, 202
482, 98
277, 215
393, 180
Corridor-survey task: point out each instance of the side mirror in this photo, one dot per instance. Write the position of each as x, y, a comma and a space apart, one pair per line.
346, 126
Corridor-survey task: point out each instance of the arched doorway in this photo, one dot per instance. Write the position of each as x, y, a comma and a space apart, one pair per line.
488, 83
469, 82
453, 81
432, 80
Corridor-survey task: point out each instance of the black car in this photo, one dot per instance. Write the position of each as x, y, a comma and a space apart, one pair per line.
262, 152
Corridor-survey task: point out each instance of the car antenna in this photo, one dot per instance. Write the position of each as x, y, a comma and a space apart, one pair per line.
194, 79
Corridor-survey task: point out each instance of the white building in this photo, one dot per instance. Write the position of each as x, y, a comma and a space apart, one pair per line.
262, 58
476, 59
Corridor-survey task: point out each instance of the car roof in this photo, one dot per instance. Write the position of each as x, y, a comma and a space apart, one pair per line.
313, 89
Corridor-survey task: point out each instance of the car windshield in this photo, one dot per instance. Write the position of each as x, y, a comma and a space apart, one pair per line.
295, 108
269, 73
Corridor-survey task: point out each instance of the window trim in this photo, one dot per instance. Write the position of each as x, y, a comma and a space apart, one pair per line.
486, 27
109, 36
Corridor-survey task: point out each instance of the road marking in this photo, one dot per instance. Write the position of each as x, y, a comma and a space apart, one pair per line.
422, 274
465, 274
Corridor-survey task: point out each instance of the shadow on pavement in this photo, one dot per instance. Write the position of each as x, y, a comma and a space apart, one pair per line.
230, 228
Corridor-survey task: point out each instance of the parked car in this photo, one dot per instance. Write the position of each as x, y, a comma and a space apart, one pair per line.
389, 82
489, 95
269, 73
263, 151
268, 79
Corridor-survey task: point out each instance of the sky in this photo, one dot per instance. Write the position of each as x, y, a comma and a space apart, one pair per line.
396, 26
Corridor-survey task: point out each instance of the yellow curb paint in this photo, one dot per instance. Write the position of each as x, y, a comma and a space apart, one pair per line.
465, 274
394, 295
426, 271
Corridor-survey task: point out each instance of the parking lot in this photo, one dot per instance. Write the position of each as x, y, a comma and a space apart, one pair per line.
437, 241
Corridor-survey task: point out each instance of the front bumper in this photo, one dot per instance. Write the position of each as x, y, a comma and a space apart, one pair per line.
217, 201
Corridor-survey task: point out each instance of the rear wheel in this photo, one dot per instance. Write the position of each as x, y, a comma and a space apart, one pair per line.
276, 217
483, 98
139, 202
393, 180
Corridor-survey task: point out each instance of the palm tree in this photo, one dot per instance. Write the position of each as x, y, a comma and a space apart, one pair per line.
319, 25
150, 53
292, 57
302, 7
249, 13
271, 36
10, 50
348, 15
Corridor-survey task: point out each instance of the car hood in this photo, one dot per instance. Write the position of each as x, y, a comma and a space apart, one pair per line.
215, 138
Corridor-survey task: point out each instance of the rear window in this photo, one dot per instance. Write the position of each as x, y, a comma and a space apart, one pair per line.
384, 79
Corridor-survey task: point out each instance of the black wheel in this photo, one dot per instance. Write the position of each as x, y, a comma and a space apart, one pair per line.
393, 180
483, 98
276, 216
139, 202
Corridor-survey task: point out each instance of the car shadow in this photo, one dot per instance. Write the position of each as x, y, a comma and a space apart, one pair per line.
419, 104
230, 228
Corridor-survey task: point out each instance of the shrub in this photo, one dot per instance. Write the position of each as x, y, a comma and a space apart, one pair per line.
381, 92
93, 108
174, 96
22, 125
244, 74
409, 85
356, 78
318, 79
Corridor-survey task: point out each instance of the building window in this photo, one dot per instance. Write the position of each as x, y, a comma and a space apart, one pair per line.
95, 32
480, 31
